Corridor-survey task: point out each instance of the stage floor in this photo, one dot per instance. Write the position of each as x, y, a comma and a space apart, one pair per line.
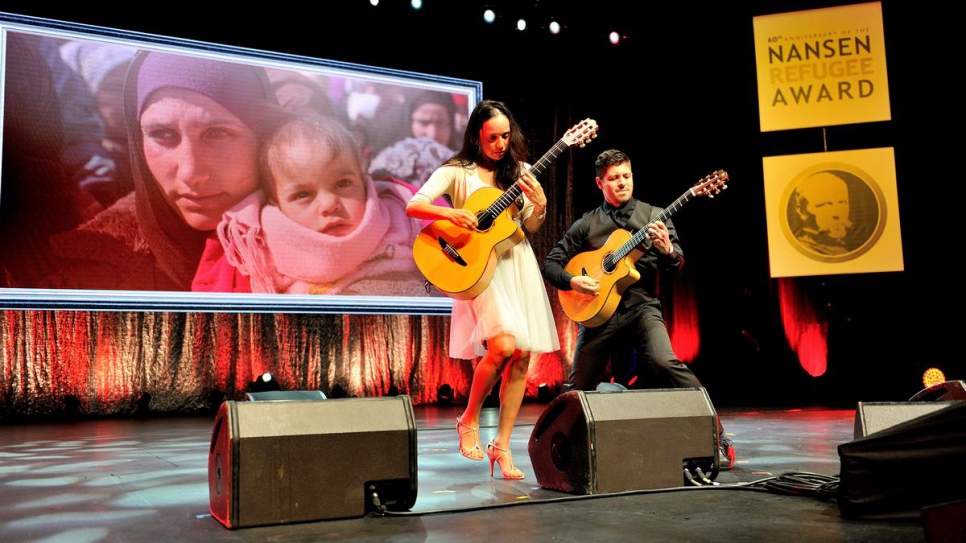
146, 480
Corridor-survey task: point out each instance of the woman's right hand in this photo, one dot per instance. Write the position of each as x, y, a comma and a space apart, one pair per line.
463, 217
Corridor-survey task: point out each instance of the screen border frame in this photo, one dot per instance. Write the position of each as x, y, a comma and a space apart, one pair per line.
140, 300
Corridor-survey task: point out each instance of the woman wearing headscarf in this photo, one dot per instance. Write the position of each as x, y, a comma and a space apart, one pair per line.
194, 127
429, 142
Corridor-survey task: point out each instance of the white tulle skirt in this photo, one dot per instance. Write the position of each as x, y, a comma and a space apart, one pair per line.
515, 302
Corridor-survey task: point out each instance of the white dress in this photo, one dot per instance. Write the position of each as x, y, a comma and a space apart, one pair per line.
515, 300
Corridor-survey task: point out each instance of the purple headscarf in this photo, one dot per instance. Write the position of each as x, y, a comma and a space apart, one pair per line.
237, 87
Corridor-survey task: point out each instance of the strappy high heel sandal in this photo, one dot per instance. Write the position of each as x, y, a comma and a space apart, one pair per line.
476, 453
496, 455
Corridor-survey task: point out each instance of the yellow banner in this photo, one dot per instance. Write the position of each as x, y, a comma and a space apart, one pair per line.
832, 213
821, 67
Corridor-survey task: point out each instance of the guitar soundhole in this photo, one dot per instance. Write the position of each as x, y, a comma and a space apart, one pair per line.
484, 221
609, 264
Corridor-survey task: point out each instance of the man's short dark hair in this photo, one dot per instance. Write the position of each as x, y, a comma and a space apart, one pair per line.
608, 158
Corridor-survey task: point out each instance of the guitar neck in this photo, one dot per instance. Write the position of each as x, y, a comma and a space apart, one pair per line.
511, 194
641, 234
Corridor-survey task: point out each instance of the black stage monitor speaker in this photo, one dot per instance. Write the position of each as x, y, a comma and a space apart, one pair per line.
872, 417
277, 462
896, 472
603, 442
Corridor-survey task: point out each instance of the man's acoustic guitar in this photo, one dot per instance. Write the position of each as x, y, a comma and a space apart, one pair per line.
613, 264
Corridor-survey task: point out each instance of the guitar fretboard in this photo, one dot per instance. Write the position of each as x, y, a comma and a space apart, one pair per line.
514, 192
611, 260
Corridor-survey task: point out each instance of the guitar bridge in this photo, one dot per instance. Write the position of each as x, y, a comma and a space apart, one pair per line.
451, 251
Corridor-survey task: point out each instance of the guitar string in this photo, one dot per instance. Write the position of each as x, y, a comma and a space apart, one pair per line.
588, 127
611, 260
512, 193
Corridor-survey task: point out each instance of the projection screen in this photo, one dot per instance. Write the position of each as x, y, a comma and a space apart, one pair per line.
145, 172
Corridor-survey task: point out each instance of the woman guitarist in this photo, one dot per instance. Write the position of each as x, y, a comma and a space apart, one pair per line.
511, 318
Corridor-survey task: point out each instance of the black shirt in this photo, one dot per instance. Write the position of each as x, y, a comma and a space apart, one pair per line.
592, 231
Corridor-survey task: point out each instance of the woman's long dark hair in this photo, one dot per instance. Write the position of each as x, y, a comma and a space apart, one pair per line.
508, 169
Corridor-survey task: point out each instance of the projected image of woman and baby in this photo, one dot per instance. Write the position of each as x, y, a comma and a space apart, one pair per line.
127, 168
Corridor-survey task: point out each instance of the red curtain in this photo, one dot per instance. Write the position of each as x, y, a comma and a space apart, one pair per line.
103, 362
806, 330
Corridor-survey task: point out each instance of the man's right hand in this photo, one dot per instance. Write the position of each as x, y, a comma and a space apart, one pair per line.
585, 285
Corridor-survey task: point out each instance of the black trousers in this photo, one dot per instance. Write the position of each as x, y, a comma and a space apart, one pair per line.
641, 328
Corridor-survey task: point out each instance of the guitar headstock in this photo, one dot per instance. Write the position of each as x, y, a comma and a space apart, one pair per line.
581, 133
711, 184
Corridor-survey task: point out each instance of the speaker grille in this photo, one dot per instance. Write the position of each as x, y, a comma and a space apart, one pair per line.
601, 442
274, 462
872, 417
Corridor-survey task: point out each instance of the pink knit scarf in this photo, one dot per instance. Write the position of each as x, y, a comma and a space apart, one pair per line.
282, 256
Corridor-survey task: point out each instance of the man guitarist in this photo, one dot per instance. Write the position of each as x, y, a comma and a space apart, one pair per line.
638, 320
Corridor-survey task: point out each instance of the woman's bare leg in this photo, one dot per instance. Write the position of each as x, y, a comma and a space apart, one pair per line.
499, 349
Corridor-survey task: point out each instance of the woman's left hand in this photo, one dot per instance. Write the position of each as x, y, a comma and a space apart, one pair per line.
531, 187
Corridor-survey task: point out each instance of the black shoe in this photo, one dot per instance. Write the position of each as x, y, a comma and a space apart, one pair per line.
726, 454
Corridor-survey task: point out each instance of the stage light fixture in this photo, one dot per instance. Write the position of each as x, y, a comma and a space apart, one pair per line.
614, 37
374, 2
142, 406
416, 4
489, 16
554, 27
338, 392
933, 376
264, 383
444, 394
72, 407
521, 24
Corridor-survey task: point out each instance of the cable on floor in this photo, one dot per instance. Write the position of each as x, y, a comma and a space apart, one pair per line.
790, 483
801, 483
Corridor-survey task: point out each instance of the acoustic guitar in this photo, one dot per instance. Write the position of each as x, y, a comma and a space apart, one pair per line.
613, 264
460, 262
